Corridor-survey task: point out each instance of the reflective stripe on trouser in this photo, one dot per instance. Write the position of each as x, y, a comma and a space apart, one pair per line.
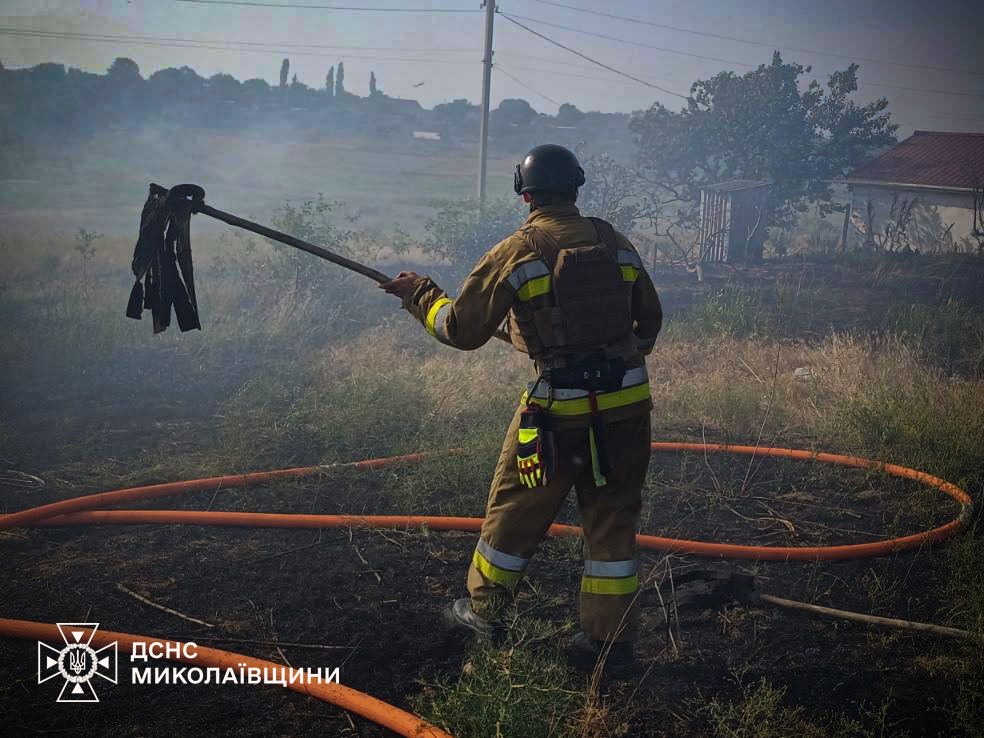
517, 519
609, 577
504, 569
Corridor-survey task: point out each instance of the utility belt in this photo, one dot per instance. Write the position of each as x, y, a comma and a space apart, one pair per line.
604, 375
574, 387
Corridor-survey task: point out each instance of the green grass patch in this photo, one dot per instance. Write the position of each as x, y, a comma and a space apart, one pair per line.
761, 710
950, 335
916, 418
963, 591
521, 687
731, 311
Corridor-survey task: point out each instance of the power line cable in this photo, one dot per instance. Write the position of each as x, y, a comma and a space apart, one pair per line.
180, 43
626, 41
291, 6
925, 90
979, 119
278, 45
271, 51
738, 39
565, 62
143, 41
593, 61
282, 45
553, 73
258, 47
887, 85
520, 82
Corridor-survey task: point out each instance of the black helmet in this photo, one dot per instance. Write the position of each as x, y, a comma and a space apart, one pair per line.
548, 167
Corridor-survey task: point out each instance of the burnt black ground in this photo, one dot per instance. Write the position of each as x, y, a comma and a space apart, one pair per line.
380, 595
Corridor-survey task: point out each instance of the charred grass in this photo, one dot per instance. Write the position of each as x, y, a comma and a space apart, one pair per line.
291, 376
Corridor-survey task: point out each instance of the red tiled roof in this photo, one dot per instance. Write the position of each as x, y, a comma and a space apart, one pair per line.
928, 158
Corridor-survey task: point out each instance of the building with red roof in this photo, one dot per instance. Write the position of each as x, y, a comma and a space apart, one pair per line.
925, 193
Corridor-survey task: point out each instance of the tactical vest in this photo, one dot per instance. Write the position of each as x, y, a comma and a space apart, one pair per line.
588, 308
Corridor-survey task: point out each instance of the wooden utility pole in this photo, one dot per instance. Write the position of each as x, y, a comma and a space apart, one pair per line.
489, 6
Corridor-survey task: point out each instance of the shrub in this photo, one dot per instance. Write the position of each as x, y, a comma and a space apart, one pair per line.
460, 232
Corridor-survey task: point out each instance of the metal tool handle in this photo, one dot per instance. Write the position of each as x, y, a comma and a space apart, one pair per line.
235, 220
193, 196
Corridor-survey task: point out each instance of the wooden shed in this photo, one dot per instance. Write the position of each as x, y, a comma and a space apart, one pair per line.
732, 216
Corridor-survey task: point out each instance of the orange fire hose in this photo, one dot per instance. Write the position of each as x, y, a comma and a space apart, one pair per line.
232, 481
84, 510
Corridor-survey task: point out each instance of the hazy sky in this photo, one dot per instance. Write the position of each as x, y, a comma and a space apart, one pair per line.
443, 51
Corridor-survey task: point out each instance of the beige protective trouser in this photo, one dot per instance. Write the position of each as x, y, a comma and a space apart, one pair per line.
517, 519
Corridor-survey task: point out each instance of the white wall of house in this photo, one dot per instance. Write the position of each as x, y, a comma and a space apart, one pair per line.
933, 212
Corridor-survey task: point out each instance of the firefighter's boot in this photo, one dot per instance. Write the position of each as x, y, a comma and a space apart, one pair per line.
462, 616
619, 659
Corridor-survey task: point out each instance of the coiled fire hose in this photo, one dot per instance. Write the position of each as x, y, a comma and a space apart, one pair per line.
86, 509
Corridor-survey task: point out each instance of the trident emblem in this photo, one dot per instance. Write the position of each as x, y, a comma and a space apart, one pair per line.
76, 660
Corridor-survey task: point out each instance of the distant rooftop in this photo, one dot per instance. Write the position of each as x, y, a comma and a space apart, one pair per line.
928, 158
735, 185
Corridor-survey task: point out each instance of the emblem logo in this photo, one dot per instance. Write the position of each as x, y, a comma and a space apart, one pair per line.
77, 663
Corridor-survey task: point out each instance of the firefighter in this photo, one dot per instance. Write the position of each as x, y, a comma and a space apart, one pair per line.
579, 302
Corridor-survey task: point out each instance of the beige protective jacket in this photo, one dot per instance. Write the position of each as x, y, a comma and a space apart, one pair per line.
509, 276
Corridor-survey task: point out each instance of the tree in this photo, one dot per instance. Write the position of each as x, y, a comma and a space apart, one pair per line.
176, 84
124, 70
461, 231
515, 110
757, 126
330, 81
455, 112
340, 80
611, 191
456, 118
224, 87
569, 115
372, 83
315, 221
48, 74
297, 86
284, 71
255, 91
123, 88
